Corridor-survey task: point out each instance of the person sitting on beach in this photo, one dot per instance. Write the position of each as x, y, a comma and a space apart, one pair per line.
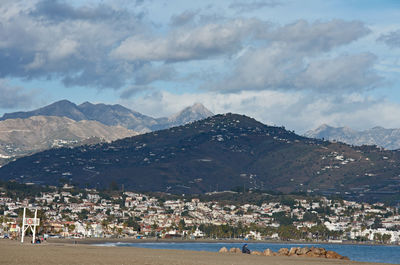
245, 250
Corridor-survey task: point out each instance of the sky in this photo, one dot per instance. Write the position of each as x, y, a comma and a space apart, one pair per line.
292, 63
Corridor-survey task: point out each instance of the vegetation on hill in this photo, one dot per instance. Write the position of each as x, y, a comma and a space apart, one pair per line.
222, 152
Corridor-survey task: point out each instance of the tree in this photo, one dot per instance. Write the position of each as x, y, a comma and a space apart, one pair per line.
386, 238
181, 225
310, 217
378, 237
282, 218
286, 232
133, 224
377, 223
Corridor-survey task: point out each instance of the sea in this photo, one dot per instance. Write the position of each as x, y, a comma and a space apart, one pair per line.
367, 253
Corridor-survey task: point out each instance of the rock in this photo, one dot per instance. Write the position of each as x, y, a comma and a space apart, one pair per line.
316, 252
256, 253
223, 250
345, 258
283, 252
312, 255
235, 250
332, 255
322, 251
302, 251
268, 253
293, 251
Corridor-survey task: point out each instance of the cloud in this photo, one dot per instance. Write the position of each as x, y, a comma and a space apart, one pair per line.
56, 10
249, 6
320, 36
133, 90
149, 73
106, 46
198, 43
275, 68
184, 17
294, 110
343, 73
14, 96
53, 39
392, 39
297, 57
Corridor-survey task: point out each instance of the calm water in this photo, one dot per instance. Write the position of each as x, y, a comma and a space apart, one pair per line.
368, 253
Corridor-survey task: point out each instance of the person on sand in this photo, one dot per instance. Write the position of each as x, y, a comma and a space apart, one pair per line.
245, 250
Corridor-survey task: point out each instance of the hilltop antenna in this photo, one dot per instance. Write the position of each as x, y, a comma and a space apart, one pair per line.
29, 223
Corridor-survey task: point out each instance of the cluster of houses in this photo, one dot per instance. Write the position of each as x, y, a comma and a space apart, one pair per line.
67, 213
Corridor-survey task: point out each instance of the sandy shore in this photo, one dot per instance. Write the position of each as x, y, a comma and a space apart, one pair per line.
13, 252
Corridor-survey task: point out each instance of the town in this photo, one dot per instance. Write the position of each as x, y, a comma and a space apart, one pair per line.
69, 212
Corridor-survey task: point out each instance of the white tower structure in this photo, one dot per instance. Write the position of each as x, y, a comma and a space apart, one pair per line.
29, 223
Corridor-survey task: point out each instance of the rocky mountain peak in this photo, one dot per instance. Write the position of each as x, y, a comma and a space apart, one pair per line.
195, 112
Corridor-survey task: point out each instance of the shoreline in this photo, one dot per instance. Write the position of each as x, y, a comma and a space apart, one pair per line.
13, 252
103, 240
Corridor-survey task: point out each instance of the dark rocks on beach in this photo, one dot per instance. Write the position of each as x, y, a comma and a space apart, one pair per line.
293, 252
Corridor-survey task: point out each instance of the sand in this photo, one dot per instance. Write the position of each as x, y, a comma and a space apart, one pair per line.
13, 252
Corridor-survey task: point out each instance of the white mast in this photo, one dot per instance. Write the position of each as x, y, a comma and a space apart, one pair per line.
23, 226
34, 228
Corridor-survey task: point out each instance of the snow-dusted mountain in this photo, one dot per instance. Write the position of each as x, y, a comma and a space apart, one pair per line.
386, 138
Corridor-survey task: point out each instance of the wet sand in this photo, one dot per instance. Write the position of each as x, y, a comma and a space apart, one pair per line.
13, 252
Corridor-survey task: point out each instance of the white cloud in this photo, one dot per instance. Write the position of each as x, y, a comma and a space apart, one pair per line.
185, 44
320, 36
104, 46
344, 73
297, 57
54, 39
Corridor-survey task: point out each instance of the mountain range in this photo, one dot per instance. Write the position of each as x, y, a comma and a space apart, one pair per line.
114, 115
19, 137
386, 138
64, 123
221, 152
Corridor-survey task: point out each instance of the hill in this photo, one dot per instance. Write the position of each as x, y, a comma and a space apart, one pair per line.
386, 138
114, 115
218, 153
19, 137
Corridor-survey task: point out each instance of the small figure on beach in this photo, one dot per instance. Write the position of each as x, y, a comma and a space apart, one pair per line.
245, 250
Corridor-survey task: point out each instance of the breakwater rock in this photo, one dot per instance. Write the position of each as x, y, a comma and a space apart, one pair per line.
313, 252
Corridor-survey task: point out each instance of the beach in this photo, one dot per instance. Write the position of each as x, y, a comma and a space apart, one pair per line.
13, 252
